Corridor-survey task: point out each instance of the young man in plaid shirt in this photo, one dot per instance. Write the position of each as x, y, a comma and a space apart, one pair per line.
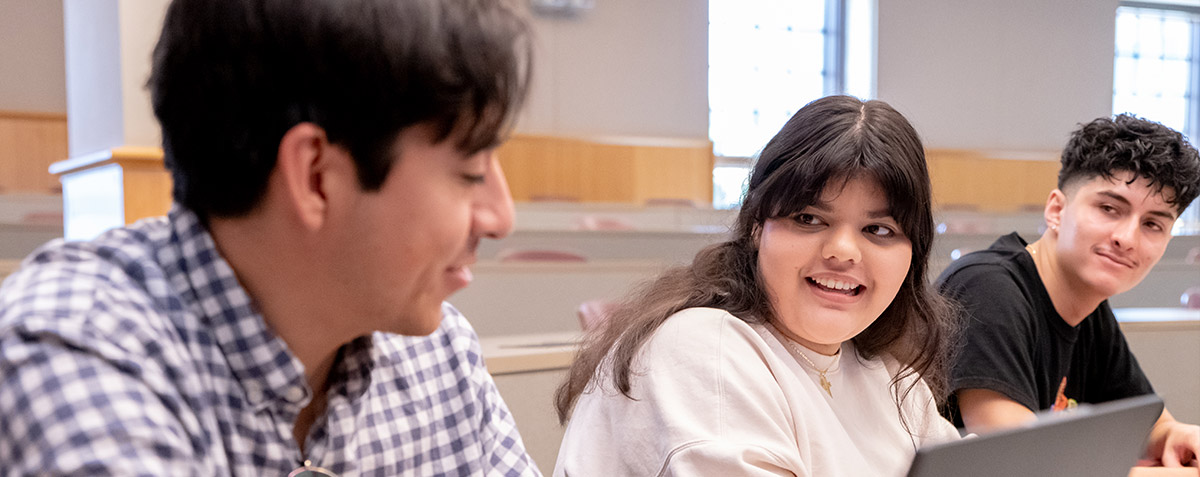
334, 171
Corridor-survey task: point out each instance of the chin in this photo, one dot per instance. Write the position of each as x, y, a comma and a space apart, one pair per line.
1108, 290
421, 323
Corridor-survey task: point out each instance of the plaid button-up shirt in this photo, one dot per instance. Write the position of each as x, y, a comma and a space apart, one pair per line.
138, 353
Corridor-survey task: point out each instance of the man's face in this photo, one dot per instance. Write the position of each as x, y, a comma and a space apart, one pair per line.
1110, 232
408, 246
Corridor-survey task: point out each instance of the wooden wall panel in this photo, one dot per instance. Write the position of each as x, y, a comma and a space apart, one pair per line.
991, 181
607, 170
29, 143
569, 169
674, 173
147, 190
605, 173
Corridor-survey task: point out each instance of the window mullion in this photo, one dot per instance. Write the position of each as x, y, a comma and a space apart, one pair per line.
1193, 119
835, 47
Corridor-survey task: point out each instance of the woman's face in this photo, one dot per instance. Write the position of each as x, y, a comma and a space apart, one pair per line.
832, 269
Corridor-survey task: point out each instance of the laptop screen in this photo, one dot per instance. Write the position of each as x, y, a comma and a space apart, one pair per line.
1092, 440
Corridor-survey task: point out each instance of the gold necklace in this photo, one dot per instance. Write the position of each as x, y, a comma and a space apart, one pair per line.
820, 372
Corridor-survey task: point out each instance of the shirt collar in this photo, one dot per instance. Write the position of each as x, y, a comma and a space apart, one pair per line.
352, 372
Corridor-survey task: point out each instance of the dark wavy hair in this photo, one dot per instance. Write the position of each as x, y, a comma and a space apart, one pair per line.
1127, 143
230, 77
825, 143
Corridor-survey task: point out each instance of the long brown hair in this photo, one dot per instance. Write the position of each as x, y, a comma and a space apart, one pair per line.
826, 142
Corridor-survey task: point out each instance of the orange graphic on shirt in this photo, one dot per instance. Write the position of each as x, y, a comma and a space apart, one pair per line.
1061, 401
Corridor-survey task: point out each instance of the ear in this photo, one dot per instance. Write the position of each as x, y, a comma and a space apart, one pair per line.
1054, 207
299, 173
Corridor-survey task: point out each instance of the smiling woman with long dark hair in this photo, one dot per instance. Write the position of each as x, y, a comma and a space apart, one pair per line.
809, 343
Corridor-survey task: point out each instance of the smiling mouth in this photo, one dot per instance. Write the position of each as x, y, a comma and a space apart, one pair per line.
834, 286
1115, 258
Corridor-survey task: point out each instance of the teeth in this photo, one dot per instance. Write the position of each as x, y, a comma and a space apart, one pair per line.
834, 284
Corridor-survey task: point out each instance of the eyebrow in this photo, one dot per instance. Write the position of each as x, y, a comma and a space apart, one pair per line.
873, 214
1120, 198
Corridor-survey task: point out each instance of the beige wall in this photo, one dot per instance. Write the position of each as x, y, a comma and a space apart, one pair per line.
137, 45
32, 75
626, 67
997, 75
974, 74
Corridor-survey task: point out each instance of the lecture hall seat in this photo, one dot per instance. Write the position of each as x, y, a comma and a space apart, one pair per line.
538, 255
592, 313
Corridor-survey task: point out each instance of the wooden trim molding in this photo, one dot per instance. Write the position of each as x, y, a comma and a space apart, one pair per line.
139, 155
33, 115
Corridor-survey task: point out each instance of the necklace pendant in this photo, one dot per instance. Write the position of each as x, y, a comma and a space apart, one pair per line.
825, 384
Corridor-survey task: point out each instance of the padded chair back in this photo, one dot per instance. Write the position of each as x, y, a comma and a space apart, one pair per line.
593, 313
539, 255
1191, 298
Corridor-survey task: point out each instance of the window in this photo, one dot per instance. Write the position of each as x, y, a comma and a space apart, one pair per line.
1156, 73
766, 59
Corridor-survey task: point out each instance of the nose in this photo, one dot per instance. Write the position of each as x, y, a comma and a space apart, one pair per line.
842, 245
1125, 234
493, 207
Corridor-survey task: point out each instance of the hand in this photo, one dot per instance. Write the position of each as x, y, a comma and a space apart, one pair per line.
1180, 444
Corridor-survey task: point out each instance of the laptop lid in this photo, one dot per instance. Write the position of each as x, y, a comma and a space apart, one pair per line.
1092, 440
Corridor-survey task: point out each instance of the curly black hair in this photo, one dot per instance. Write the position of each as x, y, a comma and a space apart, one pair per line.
1128, 143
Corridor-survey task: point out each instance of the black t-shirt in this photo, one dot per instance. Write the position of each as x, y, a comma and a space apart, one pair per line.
1016, 344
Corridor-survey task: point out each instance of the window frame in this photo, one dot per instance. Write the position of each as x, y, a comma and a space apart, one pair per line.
1192, 121
1189, 222
834, 70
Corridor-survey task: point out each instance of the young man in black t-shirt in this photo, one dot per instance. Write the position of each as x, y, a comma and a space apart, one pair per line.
1039, 331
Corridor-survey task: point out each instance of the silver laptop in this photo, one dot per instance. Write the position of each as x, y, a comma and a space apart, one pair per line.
1092, 440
